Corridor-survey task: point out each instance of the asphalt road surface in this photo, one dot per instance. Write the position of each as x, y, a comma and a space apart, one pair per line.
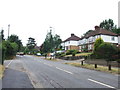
54, 74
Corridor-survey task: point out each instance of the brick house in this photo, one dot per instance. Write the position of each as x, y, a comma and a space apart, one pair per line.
71, 43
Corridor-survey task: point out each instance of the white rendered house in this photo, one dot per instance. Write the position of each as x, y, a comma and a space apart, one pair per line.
87, 42
71, 43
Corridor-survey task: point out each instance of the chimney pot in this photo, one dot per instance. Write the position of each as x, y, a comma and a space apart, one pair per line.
97, 27
72, 34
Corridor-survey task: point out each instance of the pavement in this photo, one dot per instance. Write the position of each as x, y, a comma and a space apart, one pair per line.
15, 76
31, 71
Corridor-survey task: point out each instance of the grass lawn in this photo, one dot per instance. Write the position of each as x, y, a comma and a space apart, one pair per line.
81, 54
99, 68
1, 71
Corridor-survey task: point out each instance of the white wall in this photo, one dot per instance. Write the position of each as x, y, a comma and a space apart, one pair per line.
107, 38
68, 43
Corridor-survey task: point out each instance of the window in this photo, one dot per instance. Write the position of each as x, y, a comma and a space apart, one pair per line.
113, 38
69, 42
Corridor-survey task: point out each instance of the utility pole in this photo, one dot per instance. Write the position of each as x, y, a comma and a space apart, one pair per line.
8, 30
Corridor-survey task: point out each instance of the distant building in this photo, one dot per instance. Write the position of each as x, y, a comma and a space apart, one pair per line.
71, 43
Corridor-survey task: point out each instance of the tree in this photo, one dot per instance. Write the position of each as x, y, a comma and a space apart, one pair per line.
9, 49
31, 44
116, 30
48, 43
2, 35
15, 39
88, 32
107, 24
57, 42
51, 43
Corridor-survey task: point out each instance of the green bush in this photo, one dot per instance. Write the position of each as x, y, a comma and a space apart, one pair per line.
106, 51
60, 54
9, 49
97, 43
71, 52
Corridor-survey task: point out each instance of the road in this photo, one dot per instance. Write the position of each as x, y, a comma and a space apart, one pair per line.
54, 74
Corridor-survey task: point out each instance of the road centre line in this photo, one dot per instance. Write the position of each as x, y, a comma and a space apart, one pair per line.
100, 83
64, 70
9, 63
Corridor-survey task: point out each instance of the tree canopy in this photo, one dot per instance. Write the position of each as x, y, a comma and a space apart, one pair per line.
109, 25
51, 43
15, 39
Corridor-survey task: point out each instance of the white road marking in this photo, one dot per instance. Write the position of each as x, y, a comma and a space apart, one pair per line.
64, 70
101, 83
9, 63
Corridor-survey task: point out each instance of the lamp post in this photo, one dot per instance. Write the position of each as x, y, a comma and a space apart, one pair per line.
8, 30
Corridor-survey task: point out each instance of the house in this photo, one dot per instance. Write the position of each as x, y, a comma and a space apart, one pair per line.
71, 43
87, 42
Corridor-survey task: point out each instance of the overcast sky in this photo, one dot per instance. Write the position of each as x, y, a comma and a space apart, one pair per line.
32, 18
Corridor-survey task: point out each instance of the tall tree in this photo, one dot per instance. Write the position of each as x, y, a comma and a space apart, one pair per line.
57, 41
15, 39
107, 24
51, 43
31, 43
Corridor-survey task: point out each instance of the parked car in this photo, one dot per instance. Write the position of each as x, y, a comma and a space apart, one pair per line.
38, 54
20, 53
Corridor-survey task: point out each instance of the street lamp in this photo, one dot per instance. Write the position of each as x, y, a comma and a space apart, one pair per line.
8, 30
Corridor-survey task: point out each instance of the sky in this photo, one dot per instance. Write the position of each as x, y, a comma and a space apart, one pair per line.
32, 18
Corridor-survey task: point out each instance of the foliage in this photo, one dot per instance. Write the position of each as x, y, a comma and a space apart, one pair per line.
106, 51
15, 48
9, 49
73, 52
15, 39
51, 43
97, 43
2, 35
60, 54
107, 24
31, 45
26, 50
88, 32
116, 30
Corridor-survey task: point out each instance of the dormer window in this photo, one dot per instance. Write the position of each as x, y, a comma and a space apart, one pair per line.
113, 38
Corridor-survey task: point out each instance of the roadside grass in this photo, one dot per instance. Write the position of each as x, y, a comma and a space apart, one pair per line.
51, 59
92, 67
81, 54
2, 68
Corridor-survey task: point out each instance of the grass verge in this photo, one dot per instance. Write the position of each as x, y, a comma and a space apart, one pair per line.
92, 67
81, 54
51, 59
2, 68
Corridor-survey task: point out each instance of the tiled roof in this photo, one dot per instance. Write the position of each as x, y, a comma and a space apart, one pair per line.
100, 31
73, 37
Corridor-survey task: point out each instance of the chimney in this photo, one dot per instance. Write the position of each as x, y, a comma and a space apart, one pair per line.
72, 34
97, 27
